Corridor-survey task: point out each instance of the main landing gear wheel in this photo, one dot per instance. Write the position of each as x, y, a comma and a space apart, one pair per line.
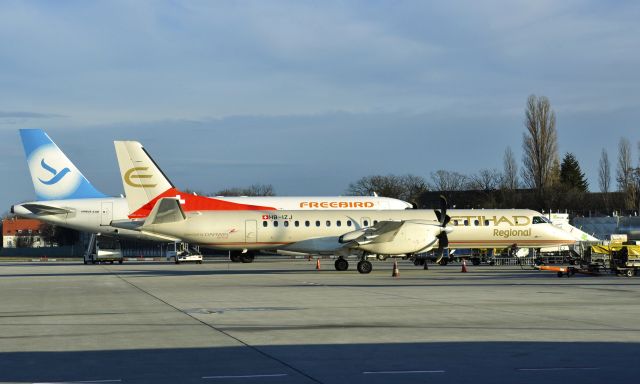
364, 266
341, 264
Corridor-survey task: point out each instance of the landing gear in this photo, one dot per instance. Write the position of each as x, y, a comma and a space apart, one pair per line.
239, 257
444, 261
341, 264
234, 256
247, 257
364, 266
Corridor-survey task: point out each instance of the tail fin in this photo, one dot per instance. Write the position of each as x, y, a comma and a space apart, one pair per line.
53, 175
141, 177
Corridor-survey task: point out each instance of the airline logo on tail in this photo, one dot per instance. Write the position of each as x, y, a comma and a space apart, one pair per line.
129, 177
53, 175
56, 176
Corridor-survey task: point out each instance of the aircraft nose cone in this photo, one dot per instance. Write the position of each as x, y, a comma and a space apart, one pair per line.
565, 236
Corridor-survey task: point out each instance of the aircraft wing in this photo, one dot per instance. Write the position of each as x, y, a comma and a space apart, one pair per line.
137, 225
43, 209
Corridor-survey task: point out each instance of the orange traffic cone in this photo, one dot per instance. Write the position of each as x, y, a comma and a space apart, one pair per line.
464, 265
395, 272
318, 264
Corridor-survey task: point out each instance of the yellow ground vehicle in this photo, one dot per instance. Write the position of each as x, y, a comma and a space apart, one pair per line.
623, 259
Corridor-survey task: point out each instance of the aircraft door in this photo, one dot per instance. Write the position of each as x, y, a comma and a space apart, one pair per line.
250, 231
365, 222
106, 214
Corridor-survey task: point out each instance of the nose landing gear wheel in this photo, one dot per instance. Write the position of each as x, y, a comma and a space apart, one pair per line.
364, 266
341, 264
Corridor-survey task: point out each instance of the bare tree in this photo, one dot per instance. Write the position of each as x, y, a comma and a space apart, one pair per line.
413, 187
510, 173
624, 172
388, 186
253, 190
407, 187
604, 172
447, 181
540, 144
485, 180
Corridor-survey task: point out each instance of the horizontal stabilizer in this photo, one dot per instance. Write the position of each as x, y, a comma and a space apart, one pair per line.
133, 225
161, 237
44, 210
167, 210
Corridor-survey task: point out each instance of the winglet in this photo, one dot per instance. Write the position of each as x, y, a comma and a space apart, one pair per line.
54, 176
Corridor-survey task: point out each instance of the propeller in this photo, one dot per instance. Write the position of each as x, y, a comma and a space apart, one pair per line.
443, 219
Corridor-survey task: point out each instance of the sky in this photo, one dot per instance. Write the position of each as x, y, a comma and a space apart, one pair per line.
309, 96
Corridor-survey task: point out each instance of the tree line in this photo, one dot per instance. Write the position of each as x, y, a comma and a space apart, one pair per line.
542, 181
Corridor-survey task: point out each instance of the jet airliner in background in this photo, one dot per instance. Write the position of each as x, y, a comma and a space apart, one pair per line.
66, 198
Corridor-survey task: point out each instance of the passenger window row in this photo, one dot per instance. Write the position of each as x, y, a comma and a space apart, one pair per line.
317, 223
466, 223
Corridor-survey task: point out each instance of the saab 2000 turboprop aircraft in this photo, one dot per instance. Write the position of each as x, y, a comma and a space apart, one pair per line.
66, 198
345, 233
336, 232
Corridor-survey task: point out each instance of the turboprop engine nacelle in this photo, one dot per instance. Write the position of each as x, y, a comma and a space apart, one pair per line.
410, 238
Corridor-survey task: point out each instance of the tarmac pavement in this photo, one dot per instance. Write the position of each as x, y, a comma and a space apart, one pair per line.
281, 321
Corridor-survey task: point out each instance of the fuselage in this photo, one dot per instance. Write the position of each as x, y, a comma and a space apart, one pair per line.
319, 231
95, 214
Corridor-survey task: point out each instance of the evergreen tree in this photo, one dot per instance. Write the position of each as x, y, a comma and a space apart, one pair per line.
571, 175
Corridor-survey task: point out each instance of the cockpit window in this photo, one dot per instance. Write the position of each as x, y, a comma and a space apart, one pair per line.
540, 220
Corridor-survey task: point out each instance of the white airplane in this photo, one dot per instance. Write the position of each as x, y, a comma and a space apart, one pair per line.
66, 198
344, 233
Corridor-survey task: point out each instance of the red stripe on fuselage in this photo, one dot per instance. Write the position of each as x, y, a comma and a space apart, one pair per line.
190, 203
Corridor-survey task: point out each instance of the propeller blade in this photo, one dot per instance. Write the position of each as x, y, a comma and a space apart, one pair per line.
443, 220
443, 240
440, 255
443, 210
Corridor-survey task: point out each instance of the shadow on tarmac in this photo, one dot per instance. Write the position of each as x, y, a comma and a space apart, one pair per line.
453, 362
448, 277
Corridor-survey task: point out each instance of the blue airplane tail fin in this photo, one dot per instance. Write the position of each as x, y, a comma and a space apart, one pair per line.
53, 175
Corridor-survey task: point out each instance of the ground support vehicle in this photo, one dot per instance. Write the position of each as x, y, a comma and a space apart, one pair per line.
103, 249
183, 252
626, 261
